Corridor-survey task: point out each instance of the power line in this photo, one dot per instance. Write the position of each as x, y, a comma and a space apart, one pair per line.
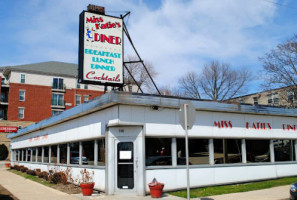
279, 4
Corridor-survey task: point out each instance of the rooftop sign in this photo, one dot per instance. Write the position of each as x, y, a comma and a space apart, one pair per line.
100, 49
8, 129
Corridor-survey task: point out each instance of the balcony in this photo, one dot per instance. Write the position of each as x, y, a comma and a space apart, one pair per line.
58, 87
56, 103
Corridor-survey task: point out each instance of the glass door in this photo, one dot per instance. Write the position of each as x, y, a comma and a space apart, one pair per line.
125, 165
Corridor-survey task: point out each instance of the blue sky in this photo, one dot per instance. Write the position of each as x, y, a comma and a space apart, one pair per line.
175, 36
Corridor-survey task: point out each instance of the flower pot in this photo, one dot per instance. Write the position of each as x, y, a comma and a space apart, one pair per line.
7, 165
156, 190
87, 188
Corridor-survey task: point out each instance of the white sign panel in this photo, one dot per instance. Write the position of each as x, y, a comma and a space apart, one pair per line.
125, 155
101, 49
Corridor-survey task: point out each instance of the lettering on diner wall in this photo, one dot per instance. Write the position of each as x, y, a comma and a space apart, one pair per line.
258, 125
38, 137
289, 127
223, 124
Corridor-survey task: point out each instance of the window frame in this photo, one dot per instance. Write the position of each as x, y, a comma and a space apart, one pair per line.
23, 78
19, 114
77, 95
24, 95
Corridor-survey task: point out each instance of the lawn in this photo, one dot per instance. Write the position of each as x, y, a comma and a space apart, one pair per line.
225, 189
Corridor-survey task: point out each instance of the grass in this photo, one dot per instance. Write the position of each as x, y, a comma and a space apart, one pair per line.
31, 177
226, 189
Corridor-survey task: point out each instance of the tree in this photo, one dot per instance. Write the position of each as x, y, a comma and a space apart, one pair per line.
217, 82
280, 68
139, 73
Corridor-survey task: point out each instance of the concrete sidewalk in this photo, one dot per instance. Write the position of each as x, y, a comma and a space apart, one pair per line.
25, 189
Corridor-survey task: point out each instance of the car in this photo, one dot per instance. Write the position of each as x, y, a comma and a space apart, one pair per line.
74, 158
293, 191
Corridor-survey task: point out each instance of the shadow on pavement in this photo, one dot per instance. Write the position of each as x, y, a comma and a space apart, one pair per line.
205, 198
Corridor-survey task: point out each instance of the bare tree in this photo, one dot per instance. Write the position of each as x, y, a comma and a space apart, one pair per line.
139, 73
217, 82
280, 68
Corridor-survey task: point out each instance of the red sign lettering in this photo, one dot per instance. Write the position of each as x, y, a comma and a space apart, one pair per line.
8, 129
223, 124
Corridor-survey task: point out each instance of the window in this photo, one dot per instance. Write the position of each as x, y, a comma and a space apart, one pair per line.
85, 86
39, 154
227, 151
57, 100
101, 152
77, 99
21, 113
46, 154
34, 155
257, 151
255, 100
23, 78
86, 98
56, 112
88, 153
284, 150
198, 151
273, 98
74, 153
78, 85
158, 151
2, 81
22, 95
54, 149
24, 154
28, 155
58, 83
290, 95
63, 153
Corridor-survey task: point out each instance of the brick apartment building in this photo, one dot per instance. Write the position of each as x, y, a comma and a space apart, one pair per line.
33, 92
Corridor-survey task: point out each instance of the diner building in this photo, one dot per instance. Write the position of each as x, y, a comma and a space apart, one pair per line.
130, 139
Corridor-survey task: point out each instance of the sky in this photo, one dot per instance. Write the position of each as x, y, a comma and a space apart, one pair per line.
175, 36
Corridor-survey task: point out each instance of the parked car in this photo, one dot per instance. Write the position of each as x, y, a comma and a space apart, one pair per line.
74, 158
293, 191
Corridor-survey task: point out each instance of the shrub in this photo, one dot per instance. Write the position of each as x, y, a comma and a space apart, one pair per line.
31, 172
43, 175
24, 169
59, 177
3, 152
38, 170
17, 167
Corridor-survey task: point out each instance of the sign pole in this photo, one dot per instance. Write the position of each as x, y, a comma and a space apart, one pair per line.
187, 149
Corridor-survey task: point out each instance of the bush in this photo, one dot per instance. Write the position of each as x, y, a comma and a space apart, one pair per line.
58, 177
24, 169
3, 152
31, 172
43, 175
38, 170
17, 167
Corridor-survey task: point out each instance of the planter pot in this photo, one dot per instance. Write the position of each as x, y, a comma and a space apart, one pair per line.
156, 190
87, 188
7, 165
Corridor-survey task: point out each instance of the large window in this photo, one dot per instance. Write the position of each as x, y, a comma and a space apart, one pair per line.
28, 155
34, 154
23, 78
257, 151
284, 150
198, 151
158, 151
58, 83
74, 153
46, 154
39, 154
58, 100
21, 113
88, 153
23, 154
227, 151
101, 152
21, 95
63, 153
54, 149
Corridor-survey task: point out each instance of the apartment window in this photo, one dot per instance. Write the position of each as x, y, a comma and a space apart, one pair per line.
158, 151
58, 83
257, 151
255, 100
85, 86
21, 113
78, 85
77, 99
58, 100
23, 78
273, 98
290, 95
22, 95
198, 151
227, 151
2, 81
56, 112
86, 98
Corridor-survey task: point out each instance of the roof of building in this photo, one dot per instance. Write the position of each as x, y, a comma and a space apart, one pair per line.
114, 98
50, 68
